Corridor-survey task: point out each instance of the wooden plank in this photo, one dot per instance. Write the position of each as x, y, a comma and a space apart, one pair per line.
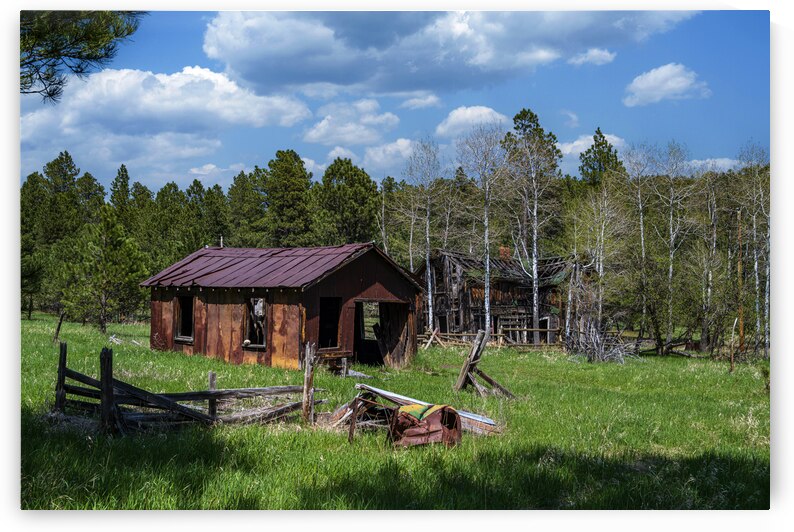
200, 323
85, 379
107, 406
60, 394
162, 402
236, 332
308, 383
261, 415
504, 391
430, 340
476, 347
212, 404
477, 386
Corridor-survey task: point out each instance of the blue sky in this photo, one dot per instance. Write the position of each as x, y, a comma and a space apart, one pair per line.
204, 95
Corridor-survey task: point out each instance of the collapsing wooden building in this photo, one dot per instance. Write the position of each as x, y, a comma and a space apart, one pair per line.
261, 306
459, 295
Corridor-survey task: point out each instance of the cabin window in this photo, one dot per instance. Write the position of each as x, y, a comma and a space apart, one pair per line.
330, 309
184, 318
370, 316
255, 335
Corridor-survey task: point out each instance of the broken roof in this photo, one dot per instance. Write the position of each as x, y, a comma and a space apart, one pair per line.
263, 267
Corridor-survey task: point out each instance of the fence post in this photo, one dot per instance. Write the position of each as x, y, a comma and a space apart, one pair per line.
60, 393
106, 391
308, 384
212, 403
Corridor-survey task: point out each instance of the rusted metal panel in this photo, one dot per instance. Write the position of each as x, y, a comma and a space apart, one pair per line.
285, 341
200, 323
237, 334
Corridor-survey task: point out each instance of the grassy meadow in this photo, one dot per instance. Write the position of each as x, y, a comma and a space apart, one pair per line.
653, 433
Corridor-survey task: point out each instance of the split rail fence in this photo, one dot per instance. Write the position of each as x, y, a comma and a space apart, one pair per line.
123, 407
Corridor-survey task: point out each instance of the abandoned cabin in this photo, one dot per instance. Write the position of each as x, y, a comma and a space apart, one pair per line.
261, 306
459, 294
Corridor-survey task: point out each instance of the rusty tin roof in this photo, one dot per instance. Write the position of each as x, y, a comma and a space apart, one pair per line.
263, 267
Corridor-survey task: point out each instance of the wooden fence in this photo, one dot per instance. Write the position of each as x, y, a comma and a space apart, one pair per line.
123, 407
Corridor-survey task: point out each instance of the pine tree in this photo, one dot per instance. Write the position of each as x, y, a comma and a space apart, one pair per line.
599, 159
286, 187
102, 279
120, 197
61, 202
348, 201
90, 197
247, 202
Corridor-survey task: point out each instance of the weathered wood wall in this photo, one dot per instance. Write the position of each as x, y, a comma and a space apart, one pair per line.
292, 316
368, 278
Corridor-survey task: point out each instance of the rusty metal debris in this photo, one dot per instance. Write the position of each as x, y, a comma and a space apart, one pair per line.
365, 411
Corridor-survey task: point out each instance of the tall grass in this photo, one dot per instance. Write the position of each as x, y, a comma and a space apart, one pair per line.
653, 433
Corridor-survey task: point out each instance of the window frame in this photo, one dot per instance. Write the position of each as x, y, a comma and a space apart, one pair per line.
178, 337
247, 322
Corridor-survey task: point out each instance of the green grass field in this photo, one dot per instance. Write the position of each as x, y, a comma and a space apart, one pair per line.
653, 433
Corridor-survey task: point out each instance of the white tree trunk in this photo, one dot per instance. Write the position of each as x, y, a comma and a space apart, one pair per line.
487, 242
758, 330
428, 271
535, 280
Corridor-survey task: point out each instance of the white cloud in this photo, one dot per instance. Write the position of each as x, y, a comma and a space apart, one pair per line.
155, 121
573, 118
462, 119
340, 152
212, 170
315, 168
387, 157
359, 122
378, 53
420, 102
717, 163
672, 81
594, 56
575, 147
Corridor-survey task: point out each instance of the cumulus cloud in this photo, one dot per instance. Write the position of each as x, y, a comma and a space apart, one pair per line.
212, 170
340, 152
718, 163
594, 56
314, 167
155, 120
387, 157
573, 118
420, 102
575, 147
672, 81
325, 53
360, 122
462, 119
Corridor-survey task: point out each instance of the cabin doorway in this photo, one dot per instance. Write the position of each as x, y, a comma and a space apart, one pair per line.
381, 333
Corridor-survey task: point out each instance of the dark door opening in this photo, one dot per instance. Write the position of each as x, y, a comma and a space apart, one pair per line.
365, 344
330, 309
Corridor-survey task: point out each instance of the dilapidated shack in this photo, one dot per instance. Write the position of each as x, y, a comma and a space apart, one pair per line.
459, 294
261, 306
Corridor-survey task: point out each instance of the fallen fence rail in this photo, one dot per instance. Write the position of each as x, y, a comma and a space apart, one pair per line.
164, 410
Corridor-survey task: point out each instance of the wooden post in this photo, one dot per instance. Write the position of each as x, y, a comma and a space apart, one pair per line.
58, 328
352, 428
308, 384
212, 403
740, 281
106, 390
60, 393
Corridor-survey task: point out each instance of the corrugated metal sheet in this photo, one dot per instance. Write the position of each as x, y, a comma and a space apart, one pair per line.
260, 267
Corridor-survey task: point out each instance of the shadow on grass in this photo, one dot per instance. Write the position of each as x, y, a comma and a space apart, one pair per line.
75, 469
547, 478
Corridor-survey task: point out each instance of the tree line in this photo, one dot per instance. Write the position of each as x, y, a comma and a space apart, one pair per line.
672, 249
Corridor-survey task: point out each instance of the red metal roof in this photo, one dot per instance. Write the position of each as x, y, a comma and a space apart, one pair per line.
261, 267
